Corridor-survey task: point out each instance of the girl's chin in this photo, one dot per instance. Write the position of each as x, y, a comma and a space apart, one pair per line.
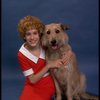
33, 45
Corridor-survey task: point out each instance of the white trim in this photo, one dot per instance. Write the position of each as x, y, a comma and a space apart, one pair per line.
42, 54
28, 72
30, 56
46, 74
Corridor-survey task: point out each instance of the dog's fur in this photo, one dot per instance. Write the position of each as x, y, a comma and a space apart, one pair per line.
68, 79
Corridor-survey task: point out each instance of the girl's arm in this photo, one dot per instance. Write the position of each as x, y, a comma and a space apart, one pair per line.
36, 77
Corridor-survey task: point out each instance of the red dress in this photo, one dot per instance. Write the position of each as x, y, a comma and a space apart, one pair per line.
44, 89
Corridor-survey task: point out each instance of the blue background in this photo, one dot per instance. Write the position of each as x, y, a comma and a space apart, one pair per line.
82, 15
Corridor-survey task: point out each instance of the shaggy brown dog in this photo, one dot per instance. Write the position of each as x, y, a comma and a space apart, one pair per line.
68, 79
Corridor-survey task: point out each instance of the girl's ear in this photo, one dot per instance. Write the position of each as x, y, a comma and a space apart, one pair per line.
24, 39
64, 27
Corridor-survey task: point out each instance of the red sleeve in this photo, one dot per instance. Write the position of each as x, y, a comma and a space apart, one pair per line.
24, 64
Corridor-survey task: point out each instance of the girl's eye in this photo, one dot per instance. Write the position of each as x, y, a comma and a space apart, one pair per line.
57, 31
35, 33
48, 32
28, 33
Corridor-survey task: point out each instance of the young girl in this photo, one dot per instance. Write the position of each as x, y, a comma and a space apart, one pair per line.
39, 84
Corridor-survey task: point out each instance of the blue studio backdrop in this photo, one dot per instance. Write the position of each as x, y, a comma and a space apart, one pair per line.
81, 15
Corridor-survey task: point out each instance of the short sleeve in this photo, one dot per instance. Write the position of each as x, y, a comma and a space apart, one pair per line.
24, 65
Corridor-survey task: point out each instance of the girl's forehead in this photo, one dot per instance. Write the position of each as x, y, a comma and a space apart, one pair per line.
32, 30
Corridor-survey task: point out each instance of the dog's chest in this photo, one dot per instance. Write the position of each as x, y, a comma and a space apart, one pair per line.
53, 56
62, 73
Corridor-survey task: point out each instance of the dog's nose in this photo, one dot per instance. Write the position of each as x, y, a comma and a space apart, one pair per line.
53, 41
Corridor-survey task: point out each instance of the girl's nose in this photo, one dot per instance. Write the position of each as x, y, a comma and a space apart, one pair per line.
32, 36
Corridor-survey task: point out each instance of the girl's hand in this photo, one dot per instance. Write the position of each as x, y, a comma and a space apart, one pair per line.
67, 57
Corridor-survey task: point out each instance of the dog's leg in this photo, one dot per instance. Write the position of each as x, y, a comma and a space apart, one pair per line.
69, 90
58, 90
76, 97
69, 98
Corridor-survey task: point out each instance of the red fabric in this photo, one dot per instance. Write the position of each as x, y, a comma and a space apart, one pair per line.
43, 89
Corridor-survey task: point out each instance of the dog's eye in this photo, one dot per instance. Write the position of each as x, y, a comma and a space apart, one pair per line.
57, 31
48, 32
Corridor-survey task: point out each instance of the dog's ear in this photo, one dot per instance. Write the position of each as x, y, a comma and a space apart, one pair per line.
65, 27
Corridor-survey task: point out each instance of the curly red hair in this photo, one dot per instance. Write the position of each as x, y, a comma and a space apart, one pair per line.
28, 23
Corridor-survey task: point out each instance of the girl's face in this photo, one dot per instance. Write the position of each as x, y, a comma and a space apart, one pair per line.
32, 37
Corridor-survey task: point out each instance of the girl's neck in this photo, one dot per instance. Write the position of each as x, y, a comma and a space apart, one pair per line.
34, 50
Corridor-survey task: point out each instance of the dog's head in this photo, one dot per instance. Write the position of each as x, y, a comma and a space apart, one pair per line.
55, 36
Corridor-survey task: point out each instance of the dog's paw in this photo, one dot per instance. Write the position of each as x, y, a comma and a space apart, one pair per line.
58, 98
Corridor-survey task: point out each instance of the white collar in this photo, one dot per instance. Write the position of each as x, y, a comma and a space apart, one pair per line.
30, 56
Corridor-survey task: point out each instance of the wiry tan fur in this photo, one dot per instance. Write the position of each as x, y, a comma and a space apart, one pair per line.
68, 79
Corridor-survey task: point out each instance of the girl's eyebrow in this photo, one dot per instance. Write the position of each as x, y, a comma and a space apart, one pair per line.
27, 32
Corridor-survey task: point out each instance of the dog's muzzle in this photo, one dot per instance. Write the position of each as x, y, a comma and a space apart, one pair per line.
54, 45
53, 42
